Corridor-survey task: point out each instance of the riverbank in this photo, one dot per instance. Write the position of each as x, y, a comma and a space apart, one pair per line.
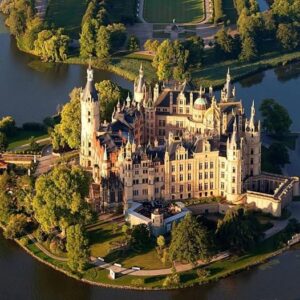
218, 270
127, 66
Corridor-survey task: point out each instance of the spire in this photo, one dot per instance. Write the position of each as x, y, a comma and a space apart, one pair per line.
105, 156
252, 115
128, 100
89, 92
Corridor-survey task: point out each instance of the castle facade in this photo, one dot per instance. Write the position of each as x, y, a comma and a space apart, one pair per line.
172, 142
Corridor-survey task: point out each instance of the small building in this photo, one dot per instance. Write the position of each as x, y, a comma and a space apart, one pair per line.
158, 216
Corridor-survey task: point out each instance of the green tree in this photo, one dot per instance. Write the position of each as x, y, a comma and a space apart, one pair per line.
195, 46
287, 36
133, 44
224, 44
161, 242
278, 154
189, 241
59, 199
103, 45
276, 119
239, 230
3, 142
16, 226
6, 207
77, 248
117, 36
249, 51
163, 60
140, 236
87, 40
67, 132
151, 46
109, 94
8, 126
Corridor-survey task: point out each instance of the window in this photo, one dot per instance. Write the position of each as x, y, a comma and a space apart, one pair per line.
252, 151
145, 171
145, 180
189, 176
211, 185
223, 165
136, 172
206, 165
180, 177
233, 169
189, 167
251, 161
206, 186
135, 193
145, 192
200, 166
135, 181
211, 165
172, 189
205, 175
222, 185
180, 166
189, 187
233, 179
173, 178
200, 187
173, 169
156, 190
211, 175
181, 188
222, 175
233, 191
200, 176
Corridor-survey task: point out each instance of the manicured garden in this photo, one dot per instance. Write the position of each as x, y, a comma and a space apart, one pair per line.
164, 11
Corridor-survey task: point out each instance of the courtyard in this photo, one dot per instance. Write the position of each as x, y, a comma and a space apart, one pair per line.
164, 11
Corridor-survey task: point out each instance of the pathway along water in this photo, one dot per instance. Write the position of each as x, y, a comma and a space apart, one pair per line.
30, 91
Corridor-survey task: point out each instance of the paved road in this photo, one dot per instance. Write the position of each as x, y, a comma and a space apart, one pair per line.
279, 225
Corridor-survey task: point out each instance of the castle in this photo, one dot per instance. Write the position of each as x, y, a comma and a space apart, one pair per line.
171, 142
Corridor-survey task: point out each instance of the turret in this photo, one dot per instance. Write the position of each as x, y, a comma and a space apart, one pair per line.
90, 119
140, 86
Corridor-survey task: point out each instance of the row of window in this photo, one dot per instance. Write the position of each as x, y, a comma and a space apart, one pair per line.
144, 192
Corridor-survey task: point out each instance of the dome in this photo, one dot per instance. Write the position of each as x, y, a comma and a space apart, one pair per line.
200, 103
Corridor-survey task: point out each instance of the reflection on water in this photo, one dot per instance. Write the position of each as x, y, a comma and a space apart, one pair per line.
251, 80
288, 72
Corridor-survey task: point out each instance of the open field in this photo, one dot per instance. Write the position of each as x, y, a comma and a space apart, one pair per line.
164, 11
66, 14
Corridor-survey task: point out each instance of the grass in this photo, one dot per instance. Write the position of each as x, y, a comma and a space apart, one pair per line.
22, 137
164, 11
66, 14
214, 74
102, 237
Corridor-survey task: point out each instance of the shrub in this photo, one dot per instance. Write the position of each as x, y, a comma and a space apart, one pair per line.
203, 273
137, 282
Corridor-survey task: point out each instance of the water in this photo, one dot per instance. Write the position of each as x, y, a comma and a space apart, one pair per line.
30, 91
263, 5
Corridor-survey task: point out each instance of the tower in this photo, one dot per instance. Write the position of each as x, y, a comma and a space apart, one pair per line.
90, 119
140, 87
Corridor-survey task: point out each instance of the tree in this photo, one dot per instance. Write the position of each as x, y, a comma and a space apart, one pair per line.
287, 36
117, 35
3, 142
67, 133
161, 242
6, 207
239, 230
224, 44
189, 241
77, 248
163, 60
87, 39
8, 126
172, 280
278, 154
133, 44
140, 236
33, 145
151, 46
181, 56
249, 51
276, 119
109, 94
59, 199
52, 45
16, 226
103, 44
195, 46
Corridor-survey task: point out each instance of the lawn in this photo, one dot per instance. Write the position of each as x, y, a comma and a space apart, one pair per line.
101, 236
164, 11
22, 138
66, 14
